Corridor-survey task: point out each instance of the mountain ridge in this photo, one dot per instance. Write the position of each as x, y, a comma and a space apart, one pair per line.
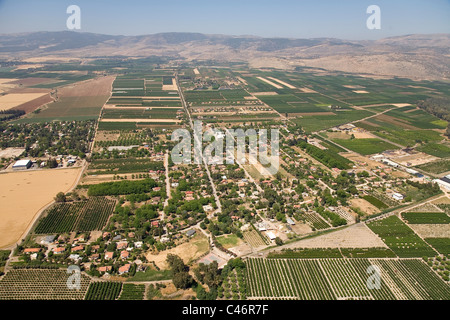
418, 56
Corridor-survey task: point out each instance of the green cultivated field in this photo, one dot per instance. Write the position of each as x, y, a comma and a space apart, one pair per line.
365, 146
132, 292
103, 291
330, 279
426, 217
160, 113
436, 167
318, 122
375, 201
78, 216
400, 238
437, 150
128, 165
440, 244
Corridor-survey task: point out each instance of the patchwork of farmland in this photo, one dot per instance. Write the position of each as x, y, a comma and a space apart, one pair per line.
148, 101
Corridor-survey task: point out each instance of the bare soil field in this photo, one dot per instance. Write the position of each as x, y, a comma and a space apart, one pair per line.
12, 100
307, 90
301, 228
192, 250
6, 80
33, 81
24, 194
34, 104
442, 200
270, 82
431, 230
355, 236
365, 206
338, 135
11, 152
94, 87
415, 159
283, 83
371, 164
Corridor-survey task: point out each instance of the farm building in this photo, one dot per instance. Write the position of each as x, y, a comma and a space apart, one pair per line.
290, 221
22, 165
397, 196
390, 163
444, 182
190, 233
271, 235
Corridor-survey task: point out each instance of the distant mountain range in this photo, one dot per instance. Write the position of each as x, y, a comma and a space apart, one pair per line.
412, 56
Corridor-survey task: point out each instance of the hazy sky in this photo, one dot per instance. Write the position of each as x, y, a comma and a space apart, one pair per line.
344, 19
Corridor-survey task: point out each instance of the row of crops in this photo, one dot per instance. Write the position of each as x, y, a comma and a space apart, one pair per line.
104, 291
87, 215
132, 292
58, 284
325, 279
41, 284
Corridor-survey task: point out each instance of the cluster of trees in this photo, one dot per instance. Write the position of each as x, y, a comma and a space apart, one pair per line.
439, 107
6, 115
208, 275
334, 218
430, 188
179, 272
121, 187
330, 159
56, 138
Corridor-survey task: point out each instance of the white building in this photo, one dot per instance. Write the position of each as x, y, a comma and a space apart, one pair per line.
271, 235
397, 196
22, 165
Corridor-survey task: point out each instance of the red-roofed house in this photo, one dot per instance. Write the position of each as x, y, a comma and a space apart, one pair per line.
124, 269
122, 245
124, 254
109, 255
31, 250
59, 250
105, 269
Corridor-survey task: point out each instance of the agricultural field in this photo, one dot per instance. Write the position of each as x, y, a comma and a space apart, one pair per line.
40, 284
440, 244
40, 187
321, 279
375, 201
426, 217
253, 238
13, 100
132, 292
400, 238
365, 146
104, 290
126, 165
87, 215
80, 101
436, 167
